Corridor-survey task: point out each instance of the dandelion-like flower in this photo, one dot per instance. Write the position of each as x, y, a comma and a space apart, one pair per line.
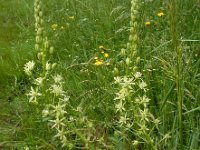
28, 67
98, 62
160, 14
101, 47
71, 17
96, 58
54, 26
106, 55
33, 95
147, 23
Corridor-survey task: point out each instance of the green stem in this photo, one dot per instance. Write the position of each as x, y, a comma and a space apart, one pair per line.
179, 85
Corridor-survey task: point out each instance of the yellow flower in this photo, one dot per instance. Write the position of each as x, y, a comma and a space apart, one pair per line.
101, 47
62, 27
54, 26
147, 23
106, 55
71, 17
102, 51
107, 64
96, 58
98, 62
160, 14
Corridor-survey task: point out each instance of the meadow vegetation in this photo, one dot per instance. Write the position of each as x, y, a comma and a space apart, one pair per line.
100, 74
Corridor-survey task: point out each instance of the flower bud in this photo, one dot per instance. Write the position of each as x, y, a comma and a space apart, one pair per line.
51, 50
41, 22
121, 63
38, 39
46, 44
128, 46
134, 53
37, 47
128, 61
137, 60
36, 25
123, 52
40, 55
134, 69
48, 66
39, 31
135, 38
132, 30
37, 19
115, 71
40, 13
53, 65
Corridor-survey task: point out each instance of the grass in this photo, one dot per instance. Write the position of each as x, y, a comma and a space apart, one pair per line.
83, 26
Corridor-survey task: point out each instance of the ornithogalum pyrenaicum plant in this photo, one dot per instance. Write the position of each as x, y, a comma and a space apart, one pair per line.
131, 101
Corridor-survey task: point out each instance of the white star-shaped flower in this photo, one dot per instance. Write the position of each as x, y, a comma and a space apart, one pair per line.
57, 78
28, 67
56, 89
33, 95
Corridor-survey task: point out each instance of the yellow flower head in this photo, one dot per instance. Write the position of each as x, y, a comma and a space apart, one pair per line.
147, 23
96, 58
160, 14
101, 47
62, 27
106, 55
54, 26
98, 62
102, 51
107, 64
71, 17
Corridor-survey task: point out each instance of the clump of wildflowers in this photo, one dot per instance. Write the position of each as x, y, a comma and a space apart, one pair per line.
131, 106
48, 91
104, 58
131, 101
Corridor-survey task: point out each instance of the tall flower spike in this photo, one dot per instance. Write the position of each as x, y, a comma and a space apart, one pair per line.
133, 37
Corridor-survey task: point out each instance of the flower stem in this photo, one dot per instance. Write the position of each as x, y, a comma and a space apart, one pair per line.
179, 83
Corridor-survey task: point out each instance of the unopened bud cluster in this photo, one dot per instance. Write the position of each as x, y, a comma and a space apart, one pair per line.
39, 22
42, 45
133, 37
130, 59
